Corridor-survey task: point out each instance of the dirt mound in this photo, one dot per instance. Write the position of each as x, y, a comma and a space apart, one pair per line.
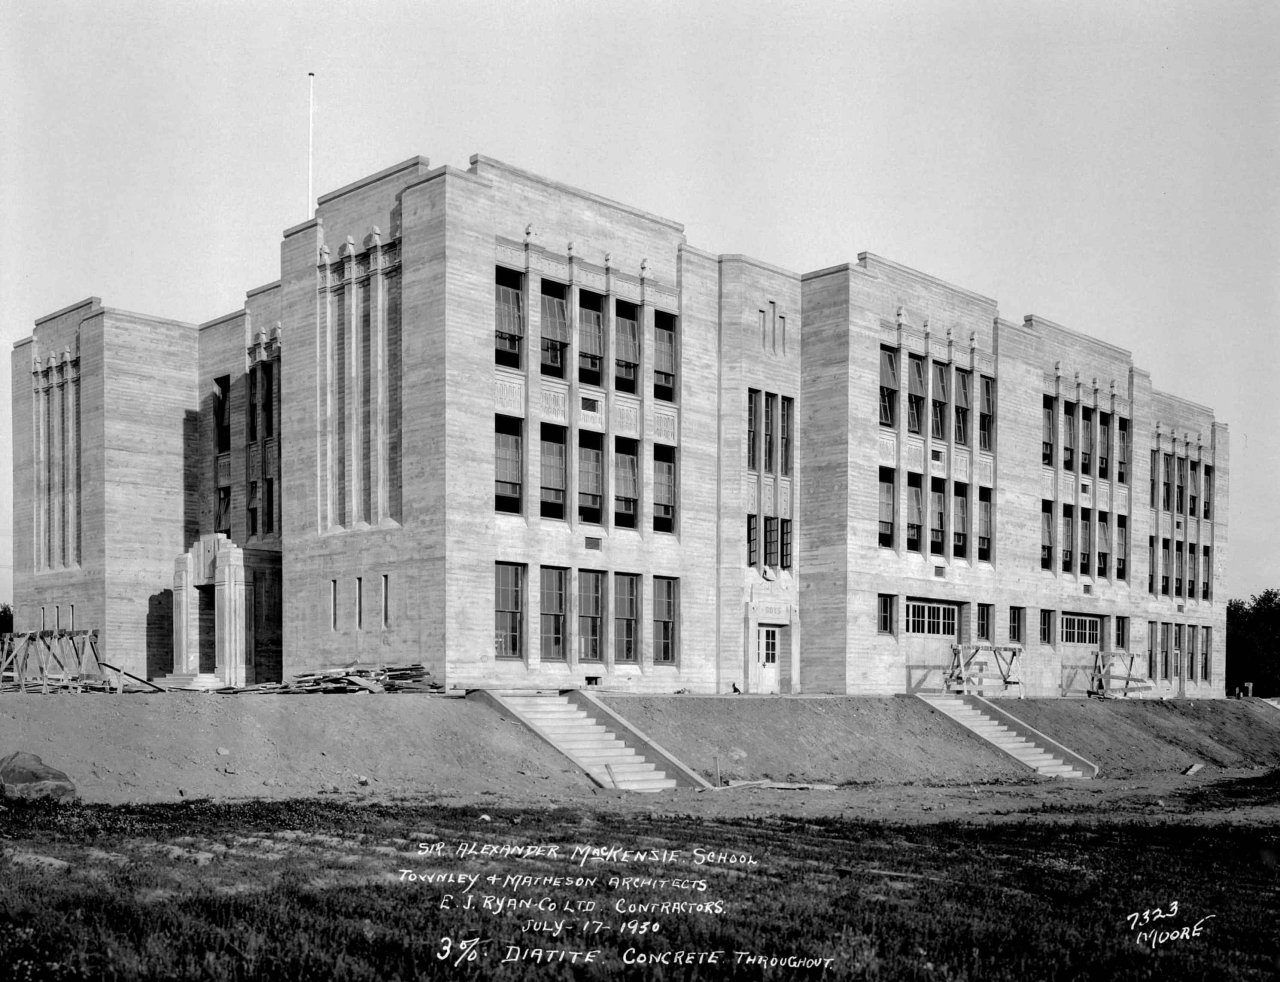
1127, 738
166, 747
840, 740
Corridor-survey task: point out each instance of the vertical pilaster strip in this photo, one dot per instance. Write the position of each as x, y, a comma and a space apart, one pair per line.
72, 480
352, 369
41, 450
378, 438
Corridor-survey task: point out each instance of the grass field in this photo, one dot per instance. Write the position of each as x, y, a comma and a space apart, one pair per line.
317, 890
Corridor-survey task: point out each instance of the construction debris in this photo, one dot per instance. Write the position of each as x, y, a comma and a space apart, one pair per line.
353, 678
61, 661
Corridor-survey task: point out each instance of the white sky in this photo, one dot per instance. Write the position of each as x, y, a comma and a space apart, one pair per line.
1114, 166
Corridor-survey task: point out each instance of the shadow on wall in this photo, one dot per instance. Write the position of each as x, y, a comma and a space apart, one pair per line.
160, 634
190, 479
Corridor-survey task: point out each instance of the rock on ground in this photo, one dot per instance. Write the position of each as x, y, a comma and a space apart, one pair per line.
24, 775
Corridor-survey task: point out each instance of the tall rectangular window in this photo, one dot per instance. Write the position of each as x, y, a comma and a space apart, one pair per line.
1151, 564
937, 516
555, 328
626, 329
269, 506
359, 603
786, 543
1122, 634
1208, 491
268, 398
1192, 665
508, 476
1206, 650
508, 610
1069, 436
665, 606
1086, 440
1166, 497
1104, 542
1207, 573
1068, 538
333, 605
251, 511
1086, 532
941, 399
1192, 574
251, 417
553, 613
984, 525
884, 613
1046, 535
1155, 467
664, 356
771, 541
888, 505
984, 621
753, 425
964, 382
554, 471
222, 520
1046, 627
508, 317
626, 617
590, 338
1122, 450
1193, 508
888, 387
753, 540
960, 521
915, 512
386, 602
590, 477
1104, 446
1017, 624
591, 606
664, 488
987, 415
1165, 633
770, 417
1122, 547
1181, 502
1049, 429
222, 414
784, 436
1165, 564
1151, 649
1179, 564
915, 393
626, 482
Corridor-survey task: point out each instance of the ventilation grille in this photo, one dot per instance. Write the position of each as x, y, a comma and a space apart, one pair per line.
593, 543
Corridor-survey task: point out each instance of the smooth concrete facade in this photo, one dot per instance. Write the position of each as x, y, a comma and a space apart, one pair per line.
345, 430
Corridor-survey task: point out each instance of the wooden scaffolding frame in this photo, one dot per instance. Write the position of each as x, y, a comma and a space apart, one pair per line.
62, 661
1110, 667
968, 670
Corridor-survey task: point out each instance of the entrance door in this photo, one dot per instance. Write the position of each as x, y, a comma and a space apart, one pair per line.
767, 658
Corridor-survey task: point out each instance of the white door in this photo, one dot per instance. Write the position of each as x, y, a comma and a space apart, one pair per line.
767, 659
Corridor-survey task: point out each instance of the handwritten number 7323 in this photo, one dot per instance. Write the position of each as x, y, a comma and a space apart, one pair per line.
1138, 918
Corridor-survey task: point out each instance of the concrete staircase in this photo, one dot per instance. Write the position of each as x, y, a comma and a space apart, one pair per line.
588, 742
1000, 729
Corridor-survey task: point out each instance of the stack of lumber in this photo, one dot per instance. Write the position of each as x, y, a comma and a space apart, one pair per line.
353, 678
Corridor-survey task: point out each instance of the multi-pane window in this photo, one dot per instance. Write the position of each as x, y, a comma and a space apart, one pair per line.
1151, 564
1086, 440
1164, 651
1206, 649
626, 617
938, 423
1086, 530
1068, 538
1194, 506
1046, 627
1191, 651
915, 512
1122, 634
251, 419
888, 387
1182, 484
985, 615
960, 521
937, 516
771, 541
508, 463
1208, 574
590, 477
984, 525
1166, 497
1047, 436
1080, 630
1017, 624
1179, 563
590, 338
1069, 436
553, 613
1192, 577
664, 488
1165, 563
884, 613
1122, 547
590, 615
268, 397
269, 506
626, 482
508, 610
664, 356
785, 560
1208, 491
1155, 467
1104, 542
888, 505
555, 328
508, 317
222, 414
964, 382
770, 416
937, 619
252, 508
753, 425
1151, 649
554, 471
1046, 535
1104, 445
784, 436
753, 540
1122, 455
626, 325
222, 520
665, 605
987, 415
915, 392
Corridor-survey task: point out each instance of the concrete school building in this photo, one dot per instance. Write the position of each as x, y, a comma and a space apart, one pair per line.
531, 437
